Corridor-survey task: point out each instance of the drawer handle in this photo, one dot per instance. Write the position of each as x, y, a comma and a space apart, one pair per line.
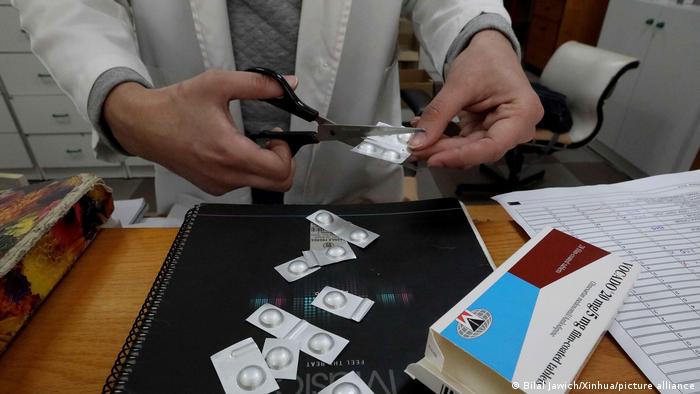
649, 21
44, 75
660, 25
59, 116
74, 151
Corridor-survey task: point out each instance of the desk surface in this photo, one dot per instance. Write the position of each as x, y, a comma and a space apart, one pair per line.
72, 341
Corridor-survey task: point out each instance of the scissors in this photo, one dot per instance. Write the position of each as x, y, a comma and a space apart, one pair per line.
327, 130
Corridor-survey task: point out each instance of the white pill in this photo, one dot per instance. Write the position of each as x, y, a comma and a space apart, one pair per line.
321, 343
367, 147
391, 154
404, 138
298, 267
336, 251
251, 377
358, 235
324, 218
335, 299
278, 358
271, 317
346, 388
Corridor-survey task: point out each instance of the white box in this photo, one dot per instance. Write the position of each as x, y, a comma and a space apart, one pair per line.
531, 324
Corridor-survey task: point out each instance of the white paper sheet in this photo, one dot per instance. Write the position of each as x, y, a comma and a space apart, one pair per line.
654, 221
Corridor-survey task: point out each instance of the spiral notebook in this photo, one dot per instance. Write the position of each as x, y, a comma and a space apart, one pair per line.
220, 269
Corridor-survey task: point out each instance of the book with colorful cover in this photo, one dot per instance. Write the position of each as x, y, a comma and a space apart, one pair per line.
44, 228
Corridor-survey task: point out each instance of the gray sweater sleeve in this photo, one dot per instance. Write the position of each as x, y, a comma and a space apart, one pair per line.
107, 146
482, 22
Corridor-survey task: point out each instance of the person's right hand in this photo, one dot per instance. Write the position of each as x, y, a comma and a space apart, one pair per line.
188, 129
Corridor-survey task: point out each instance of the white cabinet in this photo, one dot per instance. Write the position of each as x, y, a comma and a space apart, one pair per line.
653, 119
60, 151
56, 135
12, 37
24, 74
48, 114
12, 152
7, 125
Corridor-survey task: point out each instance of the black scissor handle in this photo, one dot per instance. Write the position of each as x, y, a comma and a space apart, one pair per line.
295, 139
288, 101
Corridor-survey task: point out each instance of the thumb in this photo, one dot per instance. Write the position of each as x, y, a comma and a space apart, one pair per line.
242, 85
435, 117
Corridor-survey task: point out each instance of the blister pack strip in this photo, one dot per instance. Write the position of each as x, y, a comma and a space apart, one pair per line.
242, 368
392, 148
331, 255
342, 303
297, 268
314, 341
352, 233
350, 383
282, 357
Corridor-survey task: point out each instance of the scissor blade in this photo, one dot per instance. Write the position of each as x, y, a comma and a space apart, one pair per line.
353, 134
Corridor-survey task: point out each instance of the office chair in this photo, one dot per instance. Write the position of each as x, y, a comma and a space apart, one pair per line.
587, 76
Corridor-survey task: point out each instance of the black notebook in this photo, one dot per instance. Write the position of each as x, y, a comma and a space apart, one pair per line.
220, 269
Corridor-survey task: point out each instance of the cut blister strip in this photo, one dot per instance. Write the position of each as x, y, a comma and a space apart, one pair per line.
350, 383
392, 148
330, 255
242, 368
314, 341
326, 247
320, 344
282, 357
376, 150
275, 321
352, 233
297, 268
342, 303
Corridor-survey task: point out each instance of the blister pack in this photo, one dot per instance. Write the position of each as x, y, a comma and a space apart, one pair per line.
330, 255
326, 247
352, 233
314, 341
342, 303
392, 148
242, 368
275, 321
282, 357
348, 384
296, 269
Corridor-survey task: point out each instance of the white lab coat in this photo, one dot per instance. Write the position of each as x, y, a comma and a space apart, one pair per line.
346, 65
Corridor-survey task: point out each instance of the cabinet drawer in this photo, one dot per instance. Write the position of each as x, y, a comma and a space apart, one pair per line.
49, 114
23, 74
7, 125
12, 152
71, 150
12, 38
549, 9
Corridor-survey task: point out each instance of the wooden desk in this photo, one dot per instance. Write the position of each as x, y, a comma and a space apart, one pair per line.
72, 341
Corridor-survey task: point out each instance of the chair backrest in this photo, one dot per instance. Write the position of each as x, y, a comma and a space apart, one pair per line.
587, 76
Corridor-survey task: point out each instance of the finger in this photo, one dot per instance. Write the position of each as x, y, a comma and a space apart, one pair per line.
449, 143
441, 109
273, 162
248, 85
503, 136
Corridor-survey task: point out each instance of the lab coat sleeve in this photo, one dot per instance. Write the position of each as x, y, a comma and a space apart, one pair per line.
78, 41
437, 24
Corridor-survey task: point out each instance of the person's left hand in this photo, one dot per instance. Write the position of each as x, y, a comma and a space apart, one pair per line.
487, 88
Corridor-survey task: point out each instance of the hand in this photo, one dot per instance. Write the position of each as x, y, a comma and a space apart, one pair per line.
498, 109
187, 128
